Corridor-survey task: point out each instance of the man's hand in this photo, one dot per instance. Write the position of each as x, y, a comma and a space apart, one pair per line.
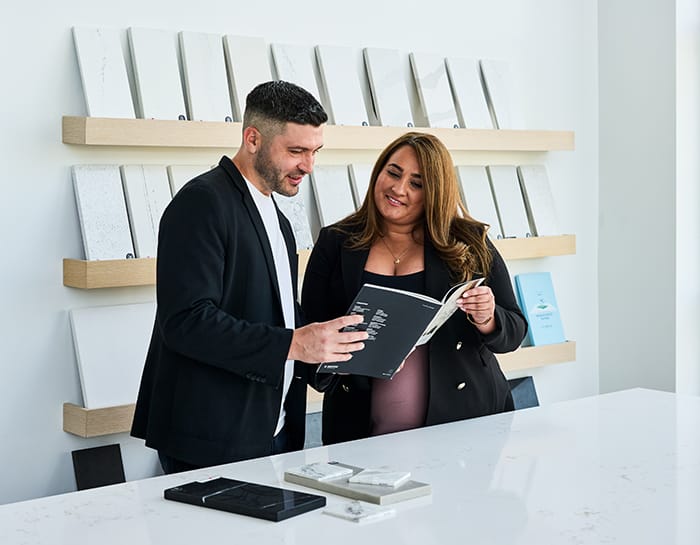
324, 342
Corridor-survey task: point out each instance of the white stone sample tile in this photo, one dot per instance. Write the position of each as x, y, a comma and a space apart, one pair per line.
468, 92
380, 477
497, 82
332, 192
509, 201
359, 511
477, 195
102, 212
157, 73
147, 192
434, 91
110, 346
248, 65
204, 70
388, 87
360, 174
294, 210
179, 175
295, 64
537, 192
344, 102
103, 72
321, 471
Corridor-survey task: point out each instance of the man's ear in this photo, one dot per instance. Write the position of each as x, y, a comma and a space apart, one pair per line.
252, 139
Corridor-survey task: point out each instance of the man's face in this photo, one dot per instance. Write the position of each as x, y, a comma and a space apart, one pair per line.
283, 160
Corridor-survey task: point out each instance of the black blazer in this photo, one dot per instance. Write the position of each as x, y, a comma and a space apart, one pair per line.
211, 386
465, 378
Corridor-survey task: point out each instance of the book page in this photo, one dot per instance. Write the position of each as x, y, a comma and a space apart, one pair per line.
448, 308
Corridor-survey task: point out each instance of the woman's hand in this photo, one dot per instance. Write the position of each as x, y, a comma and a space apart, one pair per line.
479, 304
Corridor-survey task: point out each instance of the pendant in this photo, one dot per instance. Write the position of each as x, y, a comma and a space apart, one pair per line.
397, 261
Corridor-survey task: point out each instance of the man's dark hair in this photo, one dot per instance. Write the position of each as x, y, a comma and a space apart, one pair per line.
272, 104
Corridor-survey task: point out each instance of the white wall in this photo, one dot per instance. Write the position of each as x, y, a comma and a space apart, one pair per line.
552, 49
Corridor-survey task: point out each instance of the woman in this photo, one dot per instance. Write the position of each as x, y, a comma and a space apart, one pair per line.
414, 233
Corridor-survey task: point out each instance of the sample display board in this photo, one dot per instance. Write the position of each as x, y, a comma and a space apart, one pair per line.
477, 195
248, 65
509, 201
389, 93
341, 85
468, 92
333, 194
434, 90
295, 63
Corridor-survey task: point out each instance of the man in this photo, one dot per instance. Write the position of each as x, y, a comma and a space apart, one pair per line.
220, 383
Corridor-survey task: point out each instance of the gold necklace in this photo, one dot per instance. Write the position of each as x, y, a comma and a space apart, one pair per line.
397, 258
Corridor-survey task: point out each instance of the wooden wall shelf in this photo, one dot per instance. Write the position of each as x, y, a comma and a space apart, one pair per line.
116, 273
100, 131
96, 422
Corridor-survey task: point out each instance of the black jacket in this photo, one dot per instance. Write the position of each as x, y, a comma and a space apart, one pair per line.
211, 386
465, 378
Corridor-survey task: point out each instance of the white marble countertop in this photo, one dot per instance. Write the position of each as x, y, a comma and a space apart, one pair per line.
620, 468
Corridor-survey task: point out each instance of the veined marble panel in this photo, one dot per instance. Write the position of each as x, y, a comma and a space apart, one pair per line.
157, 73
179, 175
103, 72
509, 201
389, 93
295, 211
104, 223
248, 65
434, 90
477, 195
204, 70
360, 174
534, 183
333, 194
147, 193
468, 92
344, 101
110, 346
295, 64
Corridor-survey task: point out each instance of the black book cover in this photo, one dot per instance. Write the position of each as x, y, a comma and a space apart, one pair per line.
244, 498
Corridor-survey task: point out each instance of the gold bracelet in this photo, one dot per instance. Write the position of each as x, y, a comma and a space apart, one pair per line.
486, 321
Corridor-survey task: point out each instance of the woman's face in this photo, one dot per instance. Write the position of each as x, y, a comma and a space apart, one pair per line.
398, 193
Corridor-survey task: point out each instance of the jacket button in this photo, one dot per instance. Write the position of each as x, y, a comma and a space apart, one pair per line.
461, 385
345, 388
459, 345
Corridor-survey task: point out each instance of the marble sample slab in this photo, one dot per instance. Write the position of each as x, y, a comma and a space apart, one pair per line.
381, 495
478, 197
103, 72
380, 477
248, 65
110, 347
360, 174
332, 192
388, 87
468, 92
204, 71
179, 175
321, 471
157, 73
497, 83
147, 192
434, 91
509, 201
104, 222
341, 85
360, 512
295, 64
294, 210
537, 192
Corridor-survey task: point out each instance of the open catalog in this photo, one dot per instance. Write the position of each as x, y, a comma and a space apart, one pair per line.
397, 321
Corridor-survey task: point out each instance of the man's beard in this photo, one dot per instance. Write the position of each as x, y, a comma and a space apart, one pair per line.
271, 175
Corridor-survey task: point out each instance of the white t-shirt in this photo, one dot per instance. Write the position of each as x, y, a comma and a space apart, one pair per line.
268, 213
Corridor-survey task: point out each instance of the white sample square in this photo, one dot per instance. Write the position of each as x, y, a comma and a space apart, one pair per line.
321, 471
341, 85
295, 64
534, 183
434, 91
103, 72
497, 83
477, 195
147, 192
104, 222
359, 511
248, 65
157, 74
110, 346
333, 194
380, 477
388, 88
294, 210
509, 201
206, 84
468, 92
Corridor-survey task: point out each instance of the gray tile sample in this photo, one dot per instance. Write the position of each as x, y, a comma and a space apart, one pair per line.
248, 65
104, 223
